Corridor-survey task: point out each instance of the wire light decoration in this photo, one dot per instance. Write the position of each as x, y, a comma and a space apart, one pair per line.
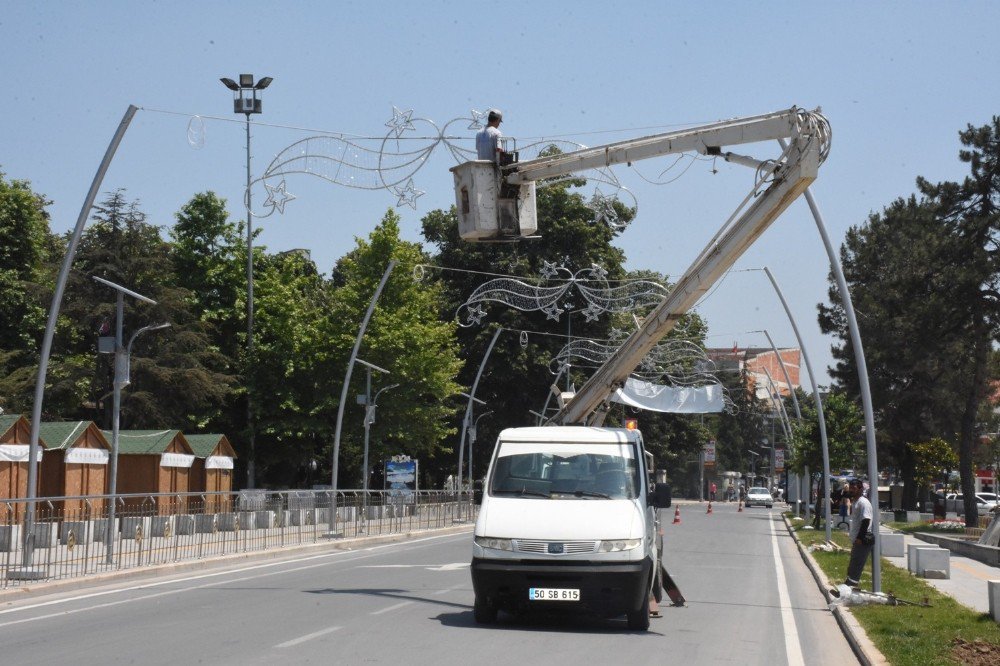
394, 164
556, 282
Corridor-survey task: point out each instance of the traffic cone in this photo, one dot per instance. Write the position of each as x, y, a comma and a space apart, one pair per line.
709, 506
677, 516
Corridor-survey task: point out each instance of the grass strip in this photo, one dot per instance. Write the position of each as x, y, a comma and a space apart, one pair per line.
906, 635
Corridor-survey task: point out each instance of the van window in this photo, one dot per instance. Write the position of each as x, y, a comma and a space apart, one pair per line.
566, 471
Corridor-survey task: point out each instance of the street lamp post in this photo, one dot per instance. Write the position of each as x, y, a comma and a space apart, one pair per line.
472, 440
247, 102
369, 420
122, 361
369, 414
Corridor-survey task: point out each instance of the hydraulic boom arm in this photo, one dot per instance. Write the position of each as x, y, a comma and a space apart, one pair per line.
779, 182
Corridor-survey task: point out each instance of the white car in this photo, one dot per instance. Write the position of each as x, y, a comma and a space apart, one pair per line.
985, 502
759, 497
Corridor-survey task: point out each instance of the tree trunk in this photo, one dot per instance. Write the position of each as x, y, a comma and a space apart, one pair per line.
967, 435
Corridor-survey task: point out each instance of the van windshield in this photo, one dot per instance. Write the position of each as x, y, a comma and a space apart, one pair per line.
566, 471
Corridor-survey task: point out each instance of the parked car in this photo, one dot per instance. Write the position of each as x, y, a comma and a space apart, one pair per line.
759, 497
985, 502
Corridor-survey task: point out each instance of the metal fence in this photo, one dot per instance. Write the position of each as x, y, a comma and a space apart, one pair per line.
69, 534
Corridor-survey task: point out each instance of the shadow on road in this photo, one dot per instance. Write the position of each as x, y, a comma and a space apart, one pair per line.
389, 593
572, 623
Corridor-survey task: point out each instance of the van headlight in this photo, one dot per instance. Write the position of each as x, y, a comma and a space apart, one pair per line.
493, 543
617, 545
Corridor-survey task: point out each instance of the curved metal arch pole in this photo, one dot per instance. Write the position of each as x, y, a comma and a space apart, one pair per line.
343, 395
50, 327
825, 446
468, 417
863, 385
798, 413
788, 379
786, 423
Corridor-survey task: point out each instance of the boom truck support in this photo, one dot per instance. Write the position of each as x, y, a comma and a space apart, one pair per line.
498, 203
570, 513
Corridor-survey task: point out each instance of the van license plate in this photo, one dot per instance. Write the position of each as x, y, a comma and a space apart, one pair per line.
552, 594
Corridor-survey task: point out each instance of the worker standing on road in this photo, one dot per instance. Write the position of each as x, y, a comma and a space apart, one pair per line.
862, 538
488, 140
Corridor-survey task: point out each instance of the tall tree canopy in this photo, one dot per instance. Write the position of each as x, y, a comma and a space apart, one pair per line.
923, 276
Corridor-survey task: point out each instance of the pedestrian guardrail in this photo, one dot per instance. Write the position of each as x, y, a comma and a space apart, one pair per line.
68, 536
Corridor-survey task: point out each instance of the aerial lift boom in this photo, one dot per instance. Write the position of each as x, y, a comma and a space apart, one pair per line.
501, 205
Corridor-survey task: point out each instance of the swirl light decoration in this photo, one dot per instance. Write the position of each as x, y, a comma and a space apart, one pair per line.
393, 167
557, 281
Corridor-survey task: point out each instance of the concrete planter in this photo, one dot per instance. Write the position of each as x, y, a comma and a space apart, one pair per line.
264, 519
892, 545
133, 526
46, 535
10, 538
206, 523
78, 528
161, 526
100, 525
184, 524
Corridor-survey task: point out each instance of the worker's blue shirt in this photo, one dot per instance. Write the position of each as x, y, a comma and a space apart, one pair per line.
487, 142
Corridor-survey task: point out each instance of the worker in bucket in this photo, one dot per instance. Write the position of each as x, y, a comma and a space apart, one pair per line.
862, 538
488, 140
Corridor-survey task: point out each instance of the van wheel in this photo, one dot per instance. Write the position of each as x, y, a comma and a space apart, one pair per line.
483, 611
638, 620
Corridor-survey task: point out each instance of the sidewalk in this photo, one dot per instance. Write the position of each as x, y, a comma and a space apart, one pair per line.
968, 582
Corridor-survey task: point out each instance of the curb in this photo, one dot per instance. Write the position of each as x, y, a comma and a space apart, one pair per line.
863, 648
158, 570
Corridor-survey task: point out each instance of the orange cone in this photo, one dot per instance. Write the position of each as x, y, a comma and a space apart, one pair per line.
709, 507
677, 516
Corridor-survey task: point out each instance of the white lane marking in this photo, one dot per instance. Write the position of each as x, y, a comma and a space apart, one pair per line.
448, 589
793, 649
391, 608
171, 581
454, 566
307, 637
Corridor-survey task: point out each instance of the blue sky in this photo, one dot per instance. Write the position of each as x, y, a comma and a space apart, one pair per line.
897, 81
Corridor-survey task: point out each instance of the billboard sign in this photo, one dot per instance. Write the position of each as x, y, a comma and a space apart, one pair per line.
710, 453
779, 460
401, 479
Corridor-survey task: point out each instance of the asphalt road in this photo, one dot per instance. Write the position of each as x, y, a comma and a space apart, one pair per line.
411, 602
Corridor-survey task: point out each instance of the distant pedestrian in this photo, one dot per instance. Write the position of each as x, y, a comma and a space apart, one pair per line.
845, 506
711, 491
862, 538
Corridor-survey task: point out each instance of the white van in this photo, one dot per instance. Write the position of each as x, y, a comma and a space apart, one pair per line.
568, 520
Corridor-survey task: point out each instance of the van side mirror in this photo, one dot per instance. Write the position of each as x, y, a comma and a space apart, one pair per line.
660, 497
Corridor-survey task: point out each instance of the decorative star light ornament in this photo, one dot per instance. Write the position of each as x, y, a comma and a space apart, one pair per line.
407, 195
400, 121
477, 120
277, 202
604, 210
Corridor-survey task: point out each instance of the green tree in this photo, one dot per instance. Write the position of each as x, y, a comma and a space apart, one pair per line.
405, 336
903, 274
844, 422
178, 379
935, 458
970, 211
26, 248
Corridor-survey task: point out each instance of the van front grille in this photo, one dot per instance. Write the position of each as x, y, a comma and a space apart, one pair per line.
568, 547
